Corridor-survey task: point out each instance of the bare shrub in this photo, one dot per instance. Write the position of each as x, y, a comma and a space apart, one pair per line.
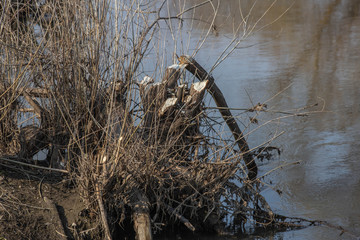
127, 142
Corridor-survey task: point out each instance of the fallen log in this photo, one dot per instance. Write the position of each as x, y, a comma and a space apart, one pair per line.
199, 72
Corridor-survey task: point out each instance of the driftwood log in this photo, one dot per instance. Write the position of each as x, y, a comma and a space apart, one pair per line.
200, 73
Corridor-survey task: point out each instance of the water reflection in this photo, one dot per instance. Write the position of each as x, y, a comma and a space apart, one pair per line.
314, 50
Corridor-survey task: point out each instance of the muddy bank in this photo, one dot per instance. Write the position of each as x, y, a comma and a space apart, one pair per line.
24, 212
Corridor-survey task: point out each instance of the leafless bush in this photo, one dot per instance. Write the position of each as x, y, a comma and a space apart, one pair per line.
78, 64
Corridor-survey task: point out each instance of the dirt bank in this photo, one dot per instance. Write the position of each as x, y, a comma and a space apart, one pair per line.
25, 215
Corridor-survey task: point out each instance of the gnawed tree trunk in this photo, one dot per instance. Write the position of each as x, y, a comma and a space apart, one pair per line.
199, 72
166, 142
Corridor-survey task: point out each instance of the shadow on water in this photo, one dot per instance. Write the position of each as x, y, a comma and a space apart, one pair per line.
311, 55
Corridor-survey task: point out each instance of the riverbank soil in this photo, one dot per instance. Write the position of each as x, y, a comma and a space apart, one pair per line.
38, 204
25, 213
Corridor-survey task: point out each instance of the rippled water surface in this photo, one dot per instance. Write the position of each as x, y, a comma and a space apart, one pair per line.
311, 54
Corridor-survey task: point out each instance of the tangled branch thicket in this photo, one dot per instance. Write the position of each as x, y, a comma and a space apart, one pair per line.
70, 83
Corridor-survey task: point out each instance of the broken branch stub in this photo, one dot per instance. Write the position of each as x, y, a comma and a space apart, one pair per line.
172, 74
199, 72
141, 215
32, 140
168, 104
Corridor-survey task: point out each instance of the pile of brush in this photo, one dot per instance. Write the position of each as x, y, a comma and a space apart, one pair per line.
145, 151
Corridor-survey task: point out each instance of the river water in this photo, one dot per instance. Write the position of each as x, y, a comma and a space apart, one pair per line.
311, 54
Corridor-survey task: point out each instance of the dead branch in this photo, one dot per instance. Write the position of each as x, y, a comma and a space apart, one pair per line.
59, 228
103, 213
181, 218
33, 166
37, 108
32, 140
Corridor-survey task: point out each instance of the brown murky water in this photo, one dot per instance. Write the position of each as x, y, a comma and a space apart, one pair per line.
309, 55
